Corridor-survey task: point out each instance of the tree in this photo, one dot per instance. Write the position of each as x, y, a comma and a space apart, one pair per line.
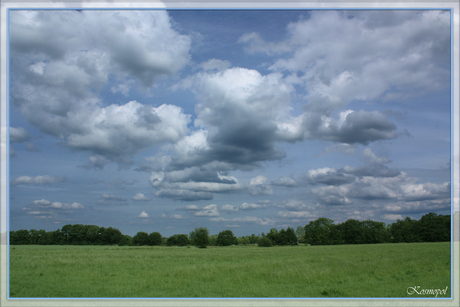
155, 238
351, 232
273, 235
141, 238
179, 240
264, 242
226, 238
435, 228
300, 233
125, 240
291, 238
319, 232
200, 237
20, 237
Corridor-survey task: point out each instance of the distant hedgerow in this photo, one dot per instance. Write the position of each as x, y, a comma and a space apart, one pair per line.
264, 242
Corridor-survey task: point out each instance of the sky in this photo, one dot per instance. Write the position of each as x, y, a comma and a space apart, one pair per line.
168, 120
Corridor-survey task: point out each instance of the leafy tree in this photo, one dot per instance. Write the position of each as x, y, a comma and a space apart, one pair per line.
20, 237
213, 240
264, 242
351, 232
291, 238
179, 240
300, 233
435, 228
200, 237
155, 238
141, 238
92, 234
226, 238
406, 230
319, 232
125, 240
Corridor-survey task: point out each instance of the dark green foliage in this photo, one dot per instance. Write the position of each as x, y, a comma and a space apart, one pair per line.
264, 242
200, 237
20, 237
252, 239
291, 238
179, 240
300, 234
155, 238
125, 241
141, 238
226, 238
319, 232
430, 228
435, 228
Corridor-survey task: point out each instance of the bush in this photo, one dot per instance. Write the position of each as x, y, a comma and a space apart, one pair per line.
226, 238
264, 242
200, 237
179, 240
125, 241
155, 238
141, 238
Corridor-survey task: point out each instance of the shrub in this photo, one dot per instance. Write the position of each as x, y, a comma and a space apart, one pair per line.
200, 237
155, 238
264, 242
226, 238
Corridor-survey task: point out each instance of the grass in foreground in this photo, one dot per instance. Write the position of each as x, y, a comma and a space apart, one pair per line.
380, 270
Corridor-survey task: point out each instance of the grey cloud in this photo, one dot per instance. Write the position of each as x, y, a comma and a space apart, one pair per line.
38, 180
285, 182
113, 197
338, 68
184, 195
61, 59
358, 127
327, 176
19, 135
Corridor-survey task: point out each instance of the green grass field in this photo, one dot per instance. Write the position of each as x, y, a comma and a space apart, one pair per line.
380, 270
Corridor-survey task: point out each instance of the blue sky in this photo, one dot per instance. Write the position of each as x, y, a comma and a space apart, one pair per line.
156, 120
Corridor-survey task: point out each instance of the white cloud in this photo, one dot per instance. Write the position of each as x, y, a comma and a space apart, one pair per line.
229, 208
210, 210
295, 214
140, 197
38, 180
61, 59
285, 182
247, 219
143, 215
19, 135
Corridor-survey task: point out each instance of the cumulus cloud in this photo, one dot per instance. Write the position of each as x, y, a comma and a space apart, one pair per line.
113, 197
45, 209
258, 186
19, 135
247, 219
140, 197
60, 61
210, 210
338, 68
285, 182
143, 215
38, 180
192, 184
374, 182
229, 208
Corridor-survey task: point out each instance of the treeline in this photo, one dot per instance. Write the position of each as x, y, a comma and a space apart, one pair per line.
430, 228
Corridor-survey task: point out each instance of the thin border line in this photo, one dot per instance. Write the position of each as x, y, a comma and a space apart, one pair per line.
223, 9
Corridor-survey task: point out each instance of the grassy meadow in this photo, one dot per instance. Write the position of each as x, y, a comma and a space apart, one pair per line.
378, 270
